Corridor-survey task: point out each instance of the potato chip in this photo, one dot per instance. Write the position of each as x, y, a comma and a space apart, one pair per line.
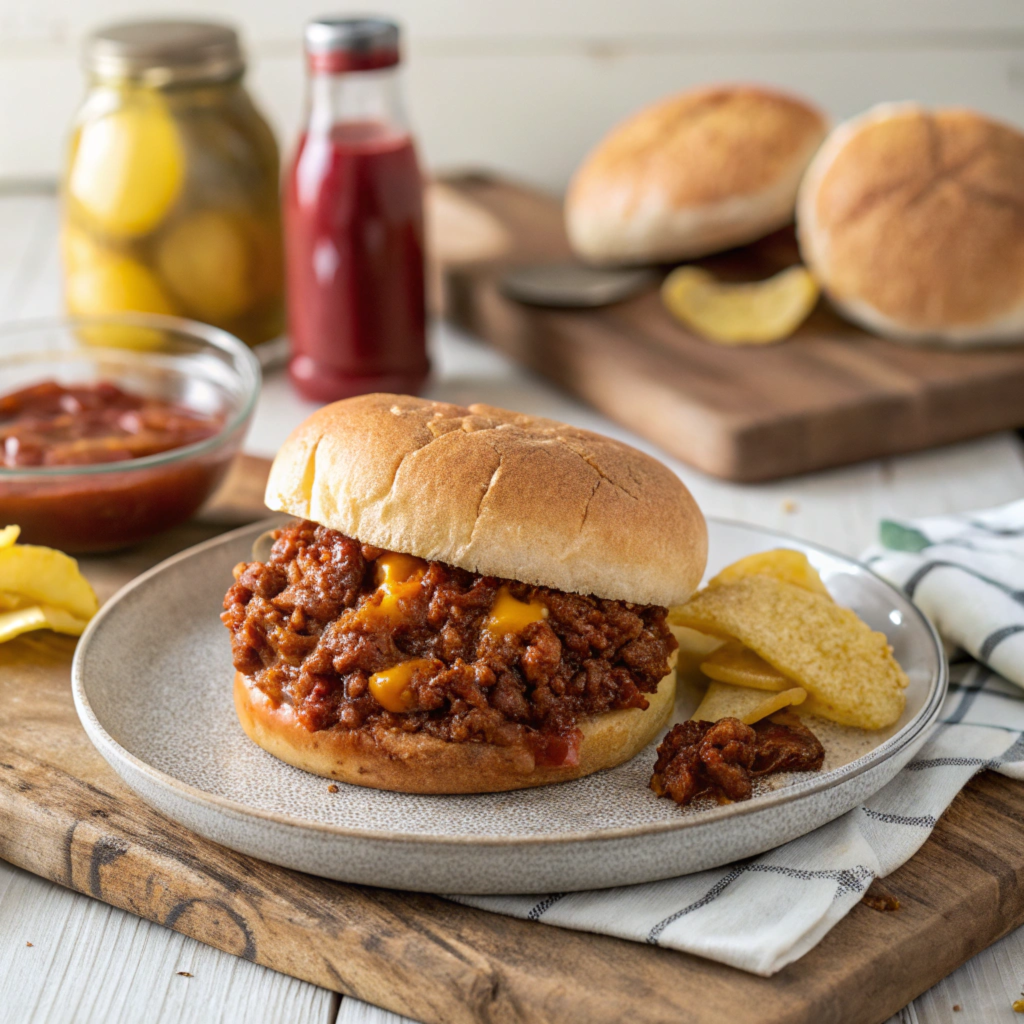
8, 535
43, 576
694, 647
693, 643
781, 563
723, 700
740, 313
22, 620
845, 666
734, 663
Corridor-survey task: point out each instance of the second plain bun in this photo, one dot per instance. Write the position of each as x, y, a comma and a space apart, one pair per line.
913, 222
495, 492
694, 174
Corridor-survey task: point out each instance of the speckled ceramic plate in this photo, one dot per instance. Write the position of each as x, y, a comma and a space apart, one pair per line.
152, 682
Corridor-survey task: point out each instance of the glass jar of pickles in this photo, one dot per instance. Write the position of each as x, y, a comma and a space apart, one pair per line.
170, 197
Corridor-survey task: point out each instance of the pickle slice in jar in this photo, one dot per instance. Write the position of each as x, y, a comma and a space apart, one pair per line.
127, 167
112, 283
205, 260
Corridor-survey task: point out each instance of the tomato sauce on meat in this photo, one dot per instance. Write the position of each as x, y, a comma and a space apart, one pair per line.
323, 622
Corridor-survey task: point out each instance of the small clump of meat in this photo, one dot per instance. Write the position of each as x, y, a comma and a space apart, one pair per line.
721, 759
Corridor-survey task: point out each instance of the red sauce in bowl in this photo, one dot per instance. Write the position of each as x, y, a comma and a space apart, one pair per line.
50, 426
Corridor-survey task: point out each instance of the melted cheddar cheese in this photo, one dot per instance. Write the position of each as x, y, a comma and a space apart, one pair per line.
393, 567
511, 616
391, 686
398, 577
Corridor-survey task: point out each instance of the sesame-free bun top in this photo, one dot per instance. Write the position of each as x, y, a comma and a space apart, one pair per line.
693, 174
495, 492
913, 222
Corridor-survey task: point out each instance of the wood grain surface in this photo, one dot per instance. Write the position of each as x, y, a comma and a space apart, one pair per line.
66, 816
91, 963
830, 395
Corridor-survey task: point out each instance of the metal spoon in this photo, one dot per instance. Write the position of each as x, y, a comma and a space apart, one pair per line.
574, 286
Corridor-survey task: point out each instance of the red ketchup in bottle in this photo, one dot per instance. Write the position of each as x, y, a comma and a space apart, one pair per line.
354, 222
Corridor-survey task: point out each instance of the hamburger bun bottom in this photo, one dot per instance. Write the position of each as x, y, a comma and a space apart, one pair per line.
407, 762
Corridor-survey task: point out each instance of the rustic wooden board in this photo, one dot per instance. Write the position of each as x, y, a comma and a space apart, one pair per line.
828, 396
66, 816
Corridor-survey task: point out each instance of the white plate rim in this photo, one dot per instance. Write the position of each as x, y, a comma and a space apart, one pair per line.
114, 751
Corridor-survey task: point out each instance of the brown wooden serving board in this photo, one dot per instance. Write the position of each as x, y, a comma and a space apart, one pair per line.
65, 815
828, 396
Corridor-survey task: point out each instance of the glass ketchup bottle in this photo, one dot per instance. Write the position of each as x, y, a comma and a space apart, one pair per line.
353, 214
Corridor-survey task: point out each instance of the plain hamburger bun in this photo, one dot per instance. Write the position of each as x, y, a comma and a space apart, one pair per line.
913, 222
415, 762
694, 174
495, 492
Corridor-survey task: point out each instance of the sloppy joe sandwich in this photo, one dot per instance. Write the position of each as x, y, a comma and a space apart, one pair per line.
470, 600
693, 174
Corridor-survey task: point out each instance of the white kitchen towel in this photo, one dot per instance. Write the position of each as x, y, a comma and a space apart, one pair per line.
967, 572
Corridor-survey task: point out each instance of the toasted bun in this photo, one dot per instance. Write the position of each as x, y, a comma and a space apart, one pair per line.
913, 223
495, 492
408, 762
691, 175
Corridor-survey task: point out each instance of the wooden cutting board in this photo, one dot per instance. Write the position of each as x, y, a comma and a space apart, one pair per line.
65, 815
828, 396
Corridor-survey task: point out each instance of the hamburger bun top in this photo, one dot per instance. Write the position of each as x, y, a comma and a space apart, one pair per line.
693, 174
495, 492
913, 222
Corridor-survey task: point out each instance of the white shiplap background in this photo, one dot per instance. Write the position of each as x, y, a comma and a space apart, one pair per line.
526, 86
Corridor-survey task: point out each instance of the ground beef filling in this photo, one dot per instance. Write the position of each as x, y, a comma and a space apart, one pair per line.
313, 628
722, 759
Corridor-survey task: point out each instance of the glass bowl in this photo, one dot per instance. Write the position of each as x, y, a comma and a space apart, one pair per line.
103, 506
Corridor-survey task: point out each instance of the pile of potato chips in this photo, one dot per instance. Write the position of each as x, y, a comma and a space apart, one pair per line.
41, 589
786, 642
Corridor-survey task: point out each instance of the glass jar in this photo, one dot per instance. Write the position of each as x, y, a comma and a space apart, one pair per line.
354, 221
171, 193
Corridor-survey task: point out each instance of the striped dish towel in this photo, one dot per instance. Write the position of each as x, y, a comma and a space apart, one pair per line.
967, 573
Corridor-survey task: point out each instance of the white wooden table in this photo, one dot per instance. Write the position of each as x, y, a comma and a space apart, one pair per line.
67, 958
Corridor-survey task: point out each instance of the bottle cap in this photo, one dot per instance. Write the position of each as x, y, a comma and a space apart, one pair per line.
336, 45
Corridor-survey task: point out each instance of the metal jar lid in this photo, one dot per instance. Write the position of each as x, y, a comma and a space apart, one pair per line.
159, 53
334, 45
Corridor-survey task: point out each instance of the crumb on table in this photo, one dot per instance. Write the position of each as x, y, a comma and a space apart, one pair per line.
332, 788
884, 903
